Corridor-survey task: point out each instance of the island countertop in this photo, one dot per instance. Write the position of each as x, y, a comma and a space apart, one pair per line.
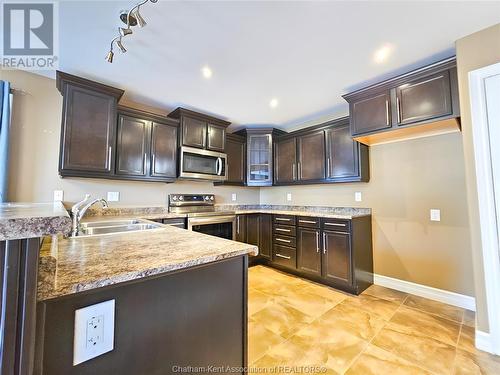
72, 265
28, 220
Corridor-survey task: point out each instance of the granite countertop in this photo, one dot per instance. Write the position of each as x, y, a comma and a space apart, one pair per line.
72, 265
311, 211
27, 220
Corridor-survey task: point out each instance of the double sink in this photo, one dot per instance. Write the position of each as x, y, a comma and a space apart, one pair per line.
115, 226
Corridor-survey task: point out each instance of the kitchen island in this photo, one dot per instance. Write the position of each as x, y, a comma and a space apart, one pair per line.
180, 300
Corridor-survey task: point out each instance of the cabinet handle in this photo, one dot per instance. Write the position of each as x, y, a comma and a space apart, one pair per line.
282, 240
109, 158
145, 162
335, 224
299, 171
282, 256
398, 109
238, 224
308, 221
317, 242
328, 174
282, 219
324, 243
386, 112
153, 163
282, 230
293, 172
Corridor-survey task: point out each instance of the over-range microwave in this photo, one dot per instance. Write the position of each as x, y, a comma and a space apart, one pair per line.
202, 164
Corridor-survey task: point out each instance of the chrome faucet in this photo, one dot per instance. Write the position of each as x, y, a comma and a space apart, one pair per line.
78, 212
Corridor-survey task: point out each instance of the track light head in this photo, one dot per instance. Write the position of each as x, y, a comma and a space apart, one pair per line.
109, 56
121, 46
140, 21
126, 19
125, 31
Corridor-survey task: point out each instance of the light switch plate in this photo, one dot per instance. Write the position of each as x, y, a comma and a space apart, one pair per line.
233, 197
94, 331
357, 196
113, 196
289, 197
435, 214
58, 195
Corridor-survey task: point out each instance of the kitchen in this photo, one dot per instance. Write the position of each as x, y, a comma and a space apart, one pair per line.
353, 225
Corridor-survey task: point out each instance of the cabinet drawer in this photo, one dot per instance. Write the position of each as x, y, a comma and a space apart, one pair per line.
285, 256
308, 222
284, 230
336, 224
284, 219
284, 241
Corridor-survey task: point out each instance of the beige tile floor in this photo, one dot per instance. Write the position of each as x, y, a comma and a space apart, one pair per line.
296, 326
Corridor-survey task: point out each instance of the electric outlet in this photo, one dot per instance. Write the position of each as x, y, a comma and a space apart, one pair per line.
113, 196
357, 196
233, 197
435, 214
58, 195
289, 197
94, 331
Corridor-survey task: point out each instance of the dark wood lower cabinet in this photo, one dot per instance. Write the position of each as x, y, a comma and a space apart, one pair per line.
18, 280
241, 228
266, 236
334, 252
337, 262
309, 250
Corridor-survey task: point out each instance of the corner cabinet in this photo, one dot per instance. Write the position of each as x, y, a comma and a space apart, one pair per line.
322, 154
88, 129
423, 102
200, 130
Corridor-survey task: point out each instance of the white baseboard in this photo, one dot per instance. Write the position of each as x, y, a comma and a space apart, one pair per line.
451, 298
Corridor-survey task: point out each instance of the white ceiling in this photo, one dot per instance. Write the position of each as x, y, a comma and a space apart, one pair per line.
304, 53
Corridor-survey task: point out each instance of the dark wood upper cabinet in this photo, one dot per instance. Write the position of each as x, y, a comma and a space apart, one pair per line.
236, 160
309, 250
285, 161
371, 114
311, 156
132, 146
200, 130
342, 157
163, 150
146, 146
425, 98
423, 102
194, 132
216, 137
88, 127
337, 262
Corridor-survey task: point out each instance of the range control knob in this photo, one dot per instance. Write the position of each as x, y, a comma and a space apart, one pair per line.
181, 198
174, 198
211, 197
206, 197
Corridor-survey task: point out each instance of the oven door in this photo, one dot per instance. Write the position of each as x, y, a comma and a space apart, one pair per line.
202, 164
219, 226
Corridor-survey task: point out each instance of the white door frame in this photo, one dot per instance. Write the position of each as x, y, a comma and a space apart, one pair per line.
488, 214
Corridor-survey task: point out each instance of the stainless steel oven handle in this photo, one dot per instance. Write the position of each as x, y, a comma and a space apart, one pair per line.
211, 220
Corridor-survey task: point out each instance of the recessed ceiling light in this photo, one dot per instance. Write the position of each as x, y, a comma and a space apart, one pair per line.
207, 72
382, 53
273, 103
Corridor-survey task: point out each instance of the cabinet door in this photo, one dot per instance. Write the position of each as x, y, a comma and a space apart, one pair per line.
216, 138
337, 264
132, 146
235, 161
371, 114
424, 99
308, 250
88, 131
311, 165
260, 169
285, 161
241, 228
266, 236
163, 151
194, 132
342, 159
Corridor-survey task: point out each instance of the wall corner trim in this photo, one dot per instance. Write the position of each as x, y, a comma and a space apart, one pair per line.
440, 295
483, 342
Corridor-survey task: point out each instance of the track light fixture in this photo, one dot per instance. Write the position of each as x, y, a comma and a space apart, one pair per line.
130, 18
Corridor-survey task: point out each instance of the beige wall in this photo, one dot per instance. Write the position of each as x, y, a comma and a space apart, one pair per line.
473, 52
407, 179
34, 152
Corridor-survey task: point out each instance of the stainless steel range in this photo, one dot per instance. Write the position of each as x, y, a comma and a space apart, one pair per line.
201, 214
